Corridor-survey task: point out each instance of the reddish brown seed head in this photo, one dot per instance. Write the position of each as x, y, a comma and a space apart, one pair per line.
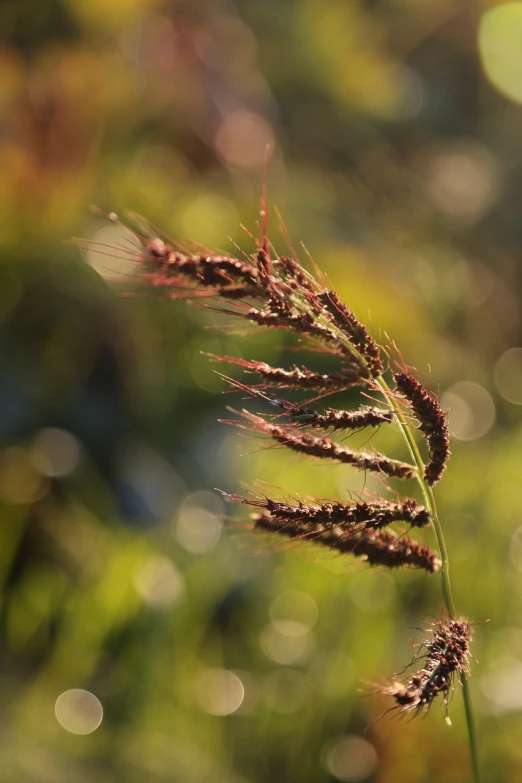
432, 423
325, 448
376, 547
347, 516
446, 655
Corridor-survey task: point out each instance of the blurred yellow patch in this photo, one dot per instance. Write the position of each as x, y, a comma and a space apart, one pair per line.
499, 42
20, 482
349, 269
108, 15
347, 59
208, 218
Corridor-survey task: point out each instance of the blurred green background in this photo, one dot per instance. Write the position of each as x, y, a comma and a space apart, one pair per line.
142, 639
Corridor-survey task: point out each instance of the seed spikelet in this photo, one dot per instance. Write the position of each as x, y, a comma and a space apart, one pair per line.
344, 515
446, 654
376, 547
297, 378
325, 448
432, 423
356, 332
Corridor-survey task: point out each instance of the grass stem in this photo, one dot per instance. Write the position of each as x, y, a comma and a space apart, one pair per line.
429, 498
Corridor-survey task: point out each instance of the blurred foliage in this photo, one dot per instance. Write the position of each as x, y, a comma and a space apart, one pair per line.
397, 160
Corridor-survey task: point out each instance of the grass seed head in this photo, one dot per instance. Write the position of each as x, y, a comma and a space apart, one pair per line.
369, 516
376, 547
432, 423
446, 655
324, 448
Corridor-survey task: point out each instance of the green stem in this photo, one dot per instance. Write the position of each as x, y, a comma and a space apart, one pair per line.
429, 498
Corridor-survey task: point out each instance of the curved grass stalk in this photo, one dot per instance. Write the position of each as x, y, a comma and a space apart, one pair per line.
431, 505
250, 280
429, 498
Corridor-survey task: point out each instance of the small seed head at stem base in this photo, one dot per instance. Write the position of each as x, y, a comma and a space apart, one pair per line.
446, 655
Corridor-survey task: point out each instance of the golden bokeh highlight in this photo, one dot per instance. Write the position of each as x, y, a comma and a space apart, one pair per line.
78, 711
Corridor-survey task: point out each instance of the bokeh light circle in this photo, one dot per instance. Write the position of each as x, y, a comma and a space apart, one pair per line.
219, 692
350, 758
471, 410
199, 523
502, 686
499, 43
242, 139
516, 549
113, 251
284, 648
56, 452
508, 375
78, 711
159, 582
294, 612
463, 180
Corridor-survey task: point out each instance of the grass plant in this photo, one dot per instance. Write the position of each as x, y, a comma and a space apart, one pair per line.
272, 291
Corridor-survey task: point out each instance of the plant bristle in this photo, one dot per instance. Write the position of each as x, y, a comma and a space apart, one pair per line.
446, 655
